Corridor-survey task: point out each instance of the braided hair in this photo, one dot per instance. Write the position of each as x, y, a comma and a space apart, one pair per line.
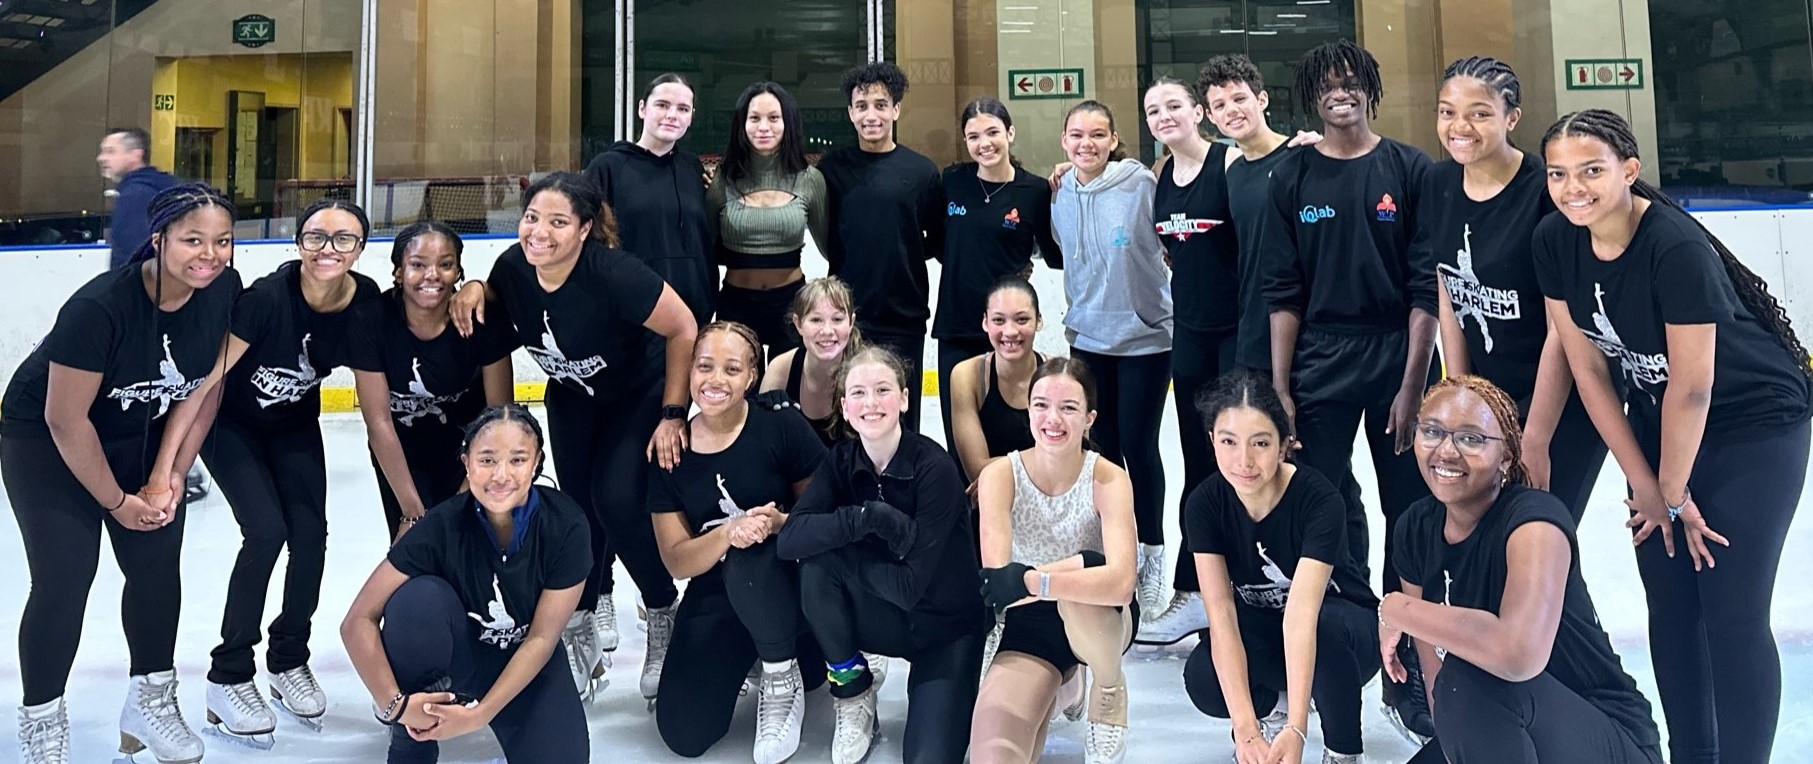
508, 412
1495, 73
1503, 409
173, 204
419, 231
1338, 58
742, 332
1752, 291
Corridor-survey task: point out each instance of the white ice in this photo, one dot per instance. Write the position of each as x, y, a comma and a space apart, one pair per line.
1165, 726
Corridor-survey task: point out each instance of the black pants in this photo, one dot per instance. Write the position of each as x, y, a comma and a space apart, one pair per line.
950, 353
435, 469
1715, 657
276, 482
909, 344
600, 457
1576, 456
848, 617
1482, 718
1198, 358
765, 311
60, 525
1347, 656
722, 628
429, 638
1338, 381
1130, 406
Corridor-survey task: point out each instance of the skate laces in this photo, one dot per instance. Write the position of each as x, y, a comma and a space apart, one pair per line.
45, 740
660, 632
299, 682
775, 708
1152, 579
853, 714
606, 614
157, 702
245, 698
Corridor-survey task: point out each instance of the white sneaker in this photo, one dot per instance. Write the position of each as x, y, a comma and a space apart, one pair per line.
584, 660
1183, 617
1150, 578
298, 692
151, 719
239, 709
778, 713
604, 622
44, 733
855, 730
660, 632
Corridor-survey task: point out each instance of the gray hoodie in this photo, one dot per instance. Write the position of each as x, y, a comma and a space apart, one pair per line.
1114, 264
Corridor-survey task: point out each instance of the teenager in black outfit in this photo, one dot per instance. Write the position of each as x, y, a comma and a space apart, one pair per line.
1479, 209
658, 194
459, 627
985, 422
84, 413
824, 315
1290, 616
580, 306
997, 216
290, 329
887, 209
419, 382
1518, 668
1716, 434
715, 513
888, 565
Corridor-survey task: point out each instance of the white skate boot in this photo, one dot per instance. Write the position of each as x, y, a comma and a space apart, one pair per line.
584, 659
151, 719
44, 733
1183, 617
604, 621
297, 694
1106, 741
1330, 757
237, 713
778, 713
1149, 580
855, 731
660, 632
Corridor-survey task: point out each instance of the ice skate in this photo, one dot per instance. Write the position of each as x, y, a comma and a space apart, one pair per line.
1273, 724
1106, 742
238, 714
299, 696
586, 662
604, 622
856, 724
44, 733
660, 632
151, 720
1149, 580
1330, 757
751, 682
780, 709
1183, 617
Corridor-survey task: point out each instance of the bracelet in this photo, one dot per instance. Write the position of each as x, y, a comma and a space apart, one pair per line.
1674, 510
1044, 586
390, 714
149, 492
1299, 732
408, 520
120, 503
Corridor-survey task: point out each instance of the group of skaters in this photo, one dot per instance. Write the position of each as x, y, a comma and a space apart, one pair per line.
758, 438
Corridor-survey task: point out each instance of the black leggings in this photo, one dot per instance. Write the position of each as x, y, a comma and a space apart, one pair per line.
1480, 718
1198, 358
60, 525
435, 469
1130, 406
910, 346
1715, 657
950, 353
600, 458
724, 625
848, 617
276, 483
429, 638
1347, 656
765, 311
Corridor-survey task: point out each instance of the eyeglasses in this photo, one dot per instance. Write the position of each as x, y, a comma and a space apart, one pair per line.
343, 242
1465, 441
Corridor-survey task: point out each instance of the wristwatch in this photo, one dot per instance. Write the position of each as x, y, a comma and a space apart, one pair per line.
673, 412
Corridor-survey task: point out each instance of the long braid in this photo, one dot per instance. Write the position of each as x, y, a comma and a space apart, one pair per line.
1503, 409
1495, 73
1751, 289
1338, 58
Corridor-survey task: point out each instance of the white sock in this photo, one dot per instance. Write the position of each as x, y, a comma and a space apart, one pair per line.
41, 710
777, 668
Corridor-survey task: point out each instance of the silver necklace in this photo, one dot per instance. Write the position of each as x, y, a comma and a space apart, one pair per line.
987, 195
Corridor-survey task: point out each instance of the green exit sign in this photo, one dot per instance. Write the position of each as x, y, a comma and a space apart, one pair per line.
163, 102
254, 31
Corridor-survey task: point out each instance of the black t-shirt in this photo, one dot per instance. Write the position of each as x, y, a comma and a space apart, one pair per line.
1669, 274
589, 333
1482, 252
454, 541
987, 236
888, 210
775, 450
1344, 239
1249, 202
107, 327
277, 383
1310, 522
1192, 221
1472, 573
437, 386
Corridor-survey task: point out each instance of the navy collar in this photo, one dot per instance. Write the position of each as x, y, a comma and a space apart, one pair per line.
519, 523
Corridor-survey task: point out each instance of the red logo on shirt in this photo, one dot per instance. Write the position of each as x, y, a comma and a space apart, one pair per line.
1011, 219
1388, 209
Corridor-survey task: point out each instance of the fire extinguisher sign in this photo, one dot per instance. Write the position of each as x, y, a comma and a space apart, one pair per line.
1024, 84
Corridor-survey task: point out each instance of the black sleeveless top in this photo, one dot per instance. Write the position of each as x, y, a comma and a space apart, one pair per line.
1004, 428
1193, 222
823, 427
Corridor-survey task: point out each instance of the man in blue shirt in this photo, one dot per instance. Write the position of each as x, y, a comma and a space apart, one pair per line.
125, 160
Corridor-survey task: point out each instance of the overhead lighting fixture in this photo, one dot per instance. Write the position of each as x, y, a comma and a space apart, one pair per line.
1233, 31
1263, 32
1293, 15
1312, 2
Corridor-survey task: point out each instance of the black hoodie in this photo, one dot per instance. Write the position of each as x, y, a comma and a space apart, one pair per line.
661, 218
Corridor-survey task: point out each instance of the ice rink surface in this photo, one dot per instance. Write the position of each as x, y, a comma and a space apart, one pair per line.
1165, 726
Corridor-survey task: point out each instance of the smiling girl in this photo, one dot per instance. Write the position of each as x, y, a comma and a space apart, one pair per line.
824, 315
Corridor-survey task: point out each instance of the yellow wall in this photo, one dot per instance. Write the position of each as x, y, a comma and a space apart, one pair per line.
318, 86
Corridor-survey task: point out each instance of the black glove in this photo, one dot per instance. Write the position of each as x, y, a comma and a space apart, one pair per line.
1004, 586
881, 520
773, 400
1092, 558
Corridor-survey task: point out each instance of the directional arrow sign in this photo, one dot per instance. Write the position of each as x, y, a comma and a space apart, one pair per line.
1604, 74
1044, 83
